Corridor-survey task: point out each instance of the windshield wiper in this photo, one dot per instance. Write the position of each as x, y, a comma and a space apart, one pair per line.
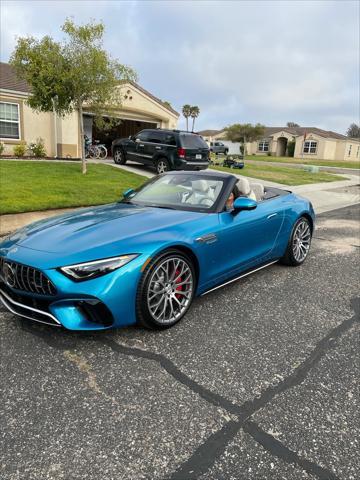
161, 206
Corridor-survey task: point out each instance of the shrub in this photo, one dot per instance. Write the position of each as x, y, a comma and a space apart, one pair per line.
290, 149
2, 147
268, 154
37, 149
20, 149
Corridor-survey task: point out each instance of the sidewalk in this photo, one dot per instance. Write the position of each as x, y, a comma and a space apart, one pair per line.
322, 168
11, 222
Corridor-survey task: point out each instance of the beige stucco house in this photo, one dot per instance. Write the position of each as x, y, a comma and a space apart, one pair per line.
18, 122
310, 142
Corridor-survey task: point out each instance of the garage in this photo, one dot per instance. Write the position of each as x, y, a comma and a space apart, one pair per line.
139, 109
123, 129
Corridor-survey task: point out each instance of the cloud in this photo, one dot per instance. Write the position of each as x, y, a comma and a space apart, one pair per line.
263, 61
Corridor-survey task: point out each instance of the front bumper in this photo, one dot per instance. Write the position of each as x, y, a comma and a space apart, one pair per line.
25, 310
101, 303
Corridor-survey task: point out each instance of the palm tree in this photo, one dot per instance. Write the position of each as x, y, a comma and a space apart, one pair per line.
194, 113
186, 111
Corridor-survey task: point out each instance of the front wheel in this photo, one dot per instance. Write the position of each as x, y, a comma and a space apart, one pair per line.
119, 156
299, 243
103, 151
166, 290
162, 166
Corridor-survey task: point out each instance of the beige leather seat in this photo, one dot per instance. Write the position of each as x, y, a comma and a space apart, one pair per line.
244, 188
258, 189
201, 194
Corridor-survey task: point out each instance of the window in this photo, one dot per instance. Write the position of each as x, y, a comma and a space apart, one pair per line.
310, 147
189, 140
263, 146
156, 137
143, 136
349, 151
169, 139
357, 152
9, 120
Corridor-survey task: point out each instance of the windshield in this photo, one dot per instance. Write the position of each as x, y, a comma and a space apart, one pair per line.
183, 192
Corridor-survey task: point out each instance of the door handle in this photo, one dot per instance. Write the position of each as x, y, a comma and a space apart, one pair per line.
141, 145
158, 148
272, 215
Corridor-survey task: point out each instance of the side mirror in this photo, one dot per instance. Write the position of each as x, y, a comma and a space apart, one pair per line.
127, 193
244, 203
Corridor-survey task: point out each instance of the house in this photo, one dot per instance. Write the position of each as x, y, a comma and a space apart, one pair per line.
309, 142
18, 122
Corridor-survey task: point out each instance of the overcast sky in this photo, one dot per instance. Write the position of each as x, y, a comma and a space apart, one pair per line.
258, 61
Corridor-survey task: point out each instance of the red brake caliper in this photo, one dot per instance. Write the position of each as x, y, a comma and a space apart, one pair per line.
178, 280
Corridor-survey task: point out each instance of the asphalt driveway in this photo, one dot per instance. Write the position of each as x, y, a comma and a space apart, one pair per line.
259, 381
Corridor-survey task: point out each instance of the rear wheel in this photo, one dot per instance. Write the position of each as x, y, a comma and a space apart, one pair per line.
299, 243
166, 290
162, 166
119, 156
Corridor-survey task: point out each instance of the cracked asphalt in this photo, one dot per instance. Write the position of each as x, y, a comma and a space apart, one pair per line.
259, 381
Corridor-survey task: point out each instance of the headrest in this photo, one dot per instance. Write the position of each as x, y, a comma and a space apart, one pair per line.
200, 185
243, 186
258, 189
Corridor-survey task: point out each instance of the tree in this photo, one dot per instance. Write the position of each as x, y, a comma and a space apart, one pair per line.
194, 113
244, 133
73, 74
186, 111
353, 131
292, 124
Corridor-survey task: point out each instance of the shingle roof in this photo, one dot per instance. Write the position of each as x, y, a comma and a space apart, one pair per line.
300, 131
296, 131
209, 133
10, 81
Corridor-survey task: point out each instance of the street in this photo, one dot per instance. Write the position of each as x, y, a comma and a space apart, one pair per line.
259, 381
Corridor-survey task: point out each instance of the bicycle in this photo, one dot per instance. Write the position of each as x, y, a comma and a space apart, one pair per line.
95, 150
103, 153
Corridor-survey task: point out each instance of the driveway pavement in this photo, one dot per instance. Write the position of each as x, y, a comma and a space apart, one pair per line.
260, 381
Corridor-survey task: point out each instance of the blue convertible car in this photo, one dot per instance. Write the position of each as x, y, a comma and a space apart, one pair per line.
144, 259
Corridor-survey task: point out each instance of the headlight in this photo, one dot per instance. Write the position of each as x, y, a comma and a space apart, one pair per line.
88, 270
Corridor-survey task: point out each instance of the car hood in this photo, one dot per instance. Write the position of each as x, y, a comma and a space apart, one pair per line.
97, 232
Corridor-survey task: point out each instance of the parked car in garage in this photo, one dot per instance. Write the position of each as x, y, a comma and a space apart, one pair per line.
163, 149
218, 147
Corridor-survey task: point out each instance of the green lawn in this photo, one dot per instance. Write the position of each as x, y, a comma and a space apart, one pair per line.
29, 186
284, 175
306, 161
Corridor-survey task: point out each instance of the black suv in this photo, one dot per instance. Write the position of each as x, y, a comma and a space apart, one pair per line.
163, 149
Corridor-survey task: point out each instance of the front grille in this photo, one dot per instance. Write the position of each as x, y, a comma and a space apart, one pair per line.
23, 277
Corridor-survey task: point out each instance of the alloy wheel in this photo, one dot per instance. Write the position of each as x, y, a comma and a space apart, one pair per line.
162, 166
118, 156
170, 290
301, 241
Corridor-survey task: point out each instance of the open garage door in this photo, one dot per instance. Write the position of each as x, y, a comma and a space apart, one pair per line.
123, 130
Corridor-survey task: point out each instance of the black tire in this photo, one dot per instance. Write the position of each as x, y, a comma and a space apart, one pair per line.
145, 316
119, 156
291, 257
162, 165
226, 151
